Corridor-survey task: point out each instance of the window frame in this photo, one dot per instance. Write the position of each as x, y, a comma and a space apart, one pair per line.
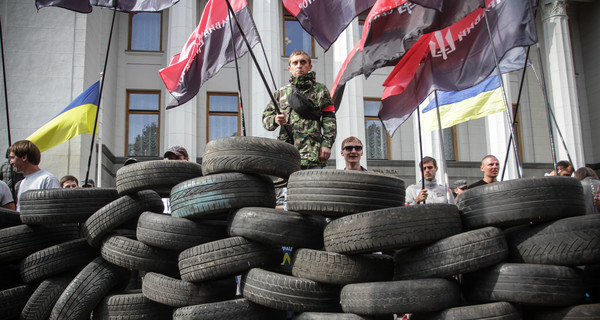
287, 16
149, 112
222, 113
129, 37
389, 146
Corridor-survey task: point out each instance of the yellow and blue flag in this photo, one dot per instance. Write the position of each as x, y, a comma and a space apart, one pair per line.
77, 118
459, 106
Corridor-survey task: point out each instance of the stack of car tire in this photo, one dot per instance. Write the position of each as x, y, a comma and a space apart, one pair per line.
519, 249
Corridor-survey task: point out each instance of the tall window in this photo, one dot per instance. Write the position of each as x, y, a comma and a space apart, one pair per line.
223, 115
143, 123
294, 37
145, 31
378, 140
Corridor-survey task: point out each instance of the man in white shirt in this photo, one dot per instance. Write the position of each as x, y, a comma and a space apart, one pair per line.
25, 157
433, 192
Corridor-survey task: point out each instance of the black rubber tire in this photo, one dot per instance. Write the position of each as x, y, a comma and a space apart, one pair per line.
179, 293
157, 175
392, 228
515, 202
337, 193
250, 155
20, 241
57, 259
221, 193
591, 275
130, 305
13, 300
283, 292
579, 312
461, 253
224, 310
132, 254
335, 268
527, 284
488, 311
87, 289
225, 257
11, 276
408, 296
71, 205
567, 242
326, 316
40, 304
9, 218
278, 227
168, 232
119, 212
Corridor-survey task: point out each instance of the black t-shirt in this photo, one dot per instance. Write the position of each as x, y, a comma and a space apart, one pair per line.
477, 184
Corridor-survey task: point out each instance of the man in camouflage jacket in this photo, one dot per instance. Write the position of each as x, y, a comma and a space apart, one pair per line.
312, 138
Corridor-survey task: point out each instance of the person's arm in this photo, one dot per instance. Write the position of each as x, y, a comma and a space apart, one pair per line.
328, 122
270, 113
10, 206
421, 197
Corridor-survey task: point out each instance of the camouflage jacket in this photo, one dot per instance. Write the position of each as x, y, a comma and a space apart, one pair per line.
308, 135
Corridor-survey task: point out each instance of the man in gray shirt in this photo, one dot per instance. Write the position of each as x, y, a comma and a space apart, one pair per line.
433, 192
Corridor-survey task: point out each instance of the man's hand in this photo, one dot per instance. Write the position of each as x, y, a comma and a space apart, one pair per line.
280, 119
324, 153
422, 196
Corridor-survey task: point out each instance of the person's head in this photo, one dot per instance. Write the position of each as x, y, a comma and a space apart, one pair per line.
176, 153
69, 181
564, 168
24, 154
585, 172
490, 166
299, 63
352, 150
89, 184
429, 167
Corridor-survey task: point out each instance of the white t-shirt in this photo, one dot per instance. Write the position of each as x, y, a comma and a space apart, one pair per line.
5, 194
41, 179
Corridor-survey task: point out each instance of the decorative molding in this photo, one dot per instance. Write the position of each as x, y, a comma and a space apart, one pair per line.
554, 8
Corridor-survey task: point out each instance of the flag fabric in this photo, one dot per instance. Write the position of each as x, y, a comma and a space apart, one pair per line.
77, 118
391, 28
459, 106
458, 57
208, 49
326, 19
85, 6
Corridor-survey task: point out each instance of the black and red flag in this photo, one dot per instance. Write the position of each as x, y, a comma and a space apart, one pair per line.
326, 19
390, 29
85, 6
457, 57
208, 49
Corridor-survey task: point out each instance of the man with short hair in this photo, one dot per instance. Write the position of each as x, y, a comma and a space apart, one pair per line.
460, 186
25, 156
433, 192
352, 151
564, 168
176, 153
306, 113
69, 181
490, 166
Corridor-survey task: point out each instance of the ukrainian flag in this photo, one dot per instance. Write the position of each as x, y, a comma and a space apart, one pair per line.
459, 106
77, 118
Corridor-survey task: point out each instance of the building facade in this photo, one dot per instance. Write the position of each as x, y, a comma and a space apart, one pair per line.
52, 55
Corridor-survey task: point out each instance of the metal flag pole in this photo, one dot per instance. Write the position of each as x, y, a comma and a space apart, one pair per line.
5, 89
443, 153
102, 77
237, 72
508, 113
275, 104
420, 148
510, 140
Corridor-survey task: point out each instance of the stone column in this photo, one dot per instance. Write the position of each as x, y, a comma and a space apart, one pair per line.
181, 122
560, 80
267, 17
350, 116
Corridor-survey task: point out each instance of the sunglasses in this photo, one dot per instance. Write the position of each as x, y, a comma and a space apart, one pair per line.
349, 148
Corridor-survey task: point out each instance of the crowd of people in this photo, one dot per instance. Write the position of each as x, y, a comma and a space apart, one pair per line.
306, 114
